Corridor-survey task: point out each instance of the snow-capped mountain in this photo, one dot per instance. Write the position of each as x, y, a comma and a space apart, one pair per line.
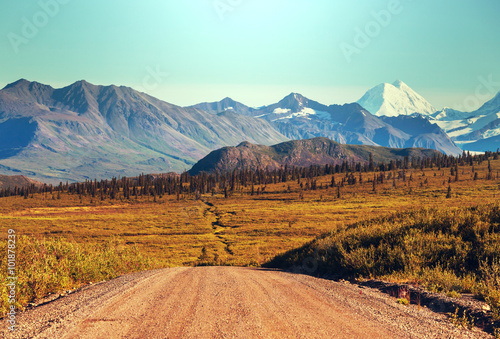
476, 131
395, 99
480, 130
298, 117
490, 107
294, 106
450, 114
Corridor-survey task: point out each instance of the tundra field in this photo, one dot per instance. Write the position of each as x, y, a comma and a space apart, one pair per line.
66, 240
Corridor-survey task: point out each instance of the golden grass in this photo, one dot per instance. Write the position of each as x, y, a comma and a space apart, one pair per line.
447, 250
45, 266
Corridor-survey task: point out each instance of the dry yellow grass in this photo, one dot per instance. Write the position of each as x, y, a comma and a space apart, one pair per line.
242, 229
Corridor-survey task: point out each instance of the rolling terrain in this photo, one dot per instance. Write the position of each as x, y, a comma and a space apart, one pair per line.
300, 153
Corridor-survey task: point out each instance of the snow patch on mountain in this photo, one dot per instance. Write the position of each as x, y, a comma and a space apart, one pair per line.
461, 131
478, 130
305, 112
476, 127
281, 110
491, 133
449, 126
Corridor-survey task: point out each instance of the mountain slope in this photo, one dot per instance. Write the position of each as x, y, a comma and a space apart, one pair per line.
84, 131
298, 117
316, 151
423, 133
395, 99
449, 114
483, 123
474, 131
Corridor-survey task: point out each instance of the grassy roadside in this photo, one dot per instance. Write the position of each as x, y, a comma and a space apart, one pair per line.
45, 266
447, 250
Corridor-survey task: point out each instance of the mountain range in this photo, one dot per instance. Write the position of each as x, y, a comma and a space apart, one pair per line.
478, 130
84, 131
298, 117
300, 153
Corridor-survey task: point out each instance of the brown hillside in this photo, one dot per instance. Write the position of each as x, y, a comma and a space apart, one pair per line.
316, 151
11, 181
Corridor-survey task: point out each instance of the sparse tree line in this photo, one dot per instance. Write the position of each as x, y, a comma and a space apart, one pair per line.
349, 172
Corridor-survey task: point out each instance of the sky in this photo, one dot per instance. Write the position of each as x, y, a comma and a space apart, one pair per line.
257, 51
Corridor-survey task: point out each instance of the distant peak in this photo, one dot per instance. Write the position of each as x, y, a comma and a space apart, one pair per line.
82, 83
490, 107
295, 97
228, 102
18, 83
21, 81
395, 99
23, 85
85, 86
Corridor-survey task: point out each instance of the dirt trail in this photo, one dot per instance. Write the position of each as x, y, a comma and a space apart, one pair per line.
213, 213
229, 302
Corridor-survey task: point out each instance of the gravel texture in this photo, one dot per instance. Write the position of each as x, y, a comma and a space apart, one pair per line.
230, 302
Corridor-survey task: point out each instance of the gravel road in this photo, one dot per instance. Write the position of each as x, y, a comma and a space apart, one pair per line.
230, 302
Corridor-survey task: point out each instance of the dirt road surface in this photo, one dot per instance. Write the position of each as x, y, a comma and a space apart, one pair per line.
229, 302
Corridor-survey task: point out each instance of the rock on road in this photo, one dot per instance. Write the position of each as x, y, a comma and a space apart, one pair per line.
229, 302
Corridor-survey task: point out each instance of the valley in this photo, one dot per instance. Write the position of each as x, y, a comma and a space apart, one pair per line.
257, 227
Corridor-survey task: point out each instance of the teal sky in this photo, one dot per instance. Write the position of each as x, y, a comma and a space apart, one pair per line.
257, 51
